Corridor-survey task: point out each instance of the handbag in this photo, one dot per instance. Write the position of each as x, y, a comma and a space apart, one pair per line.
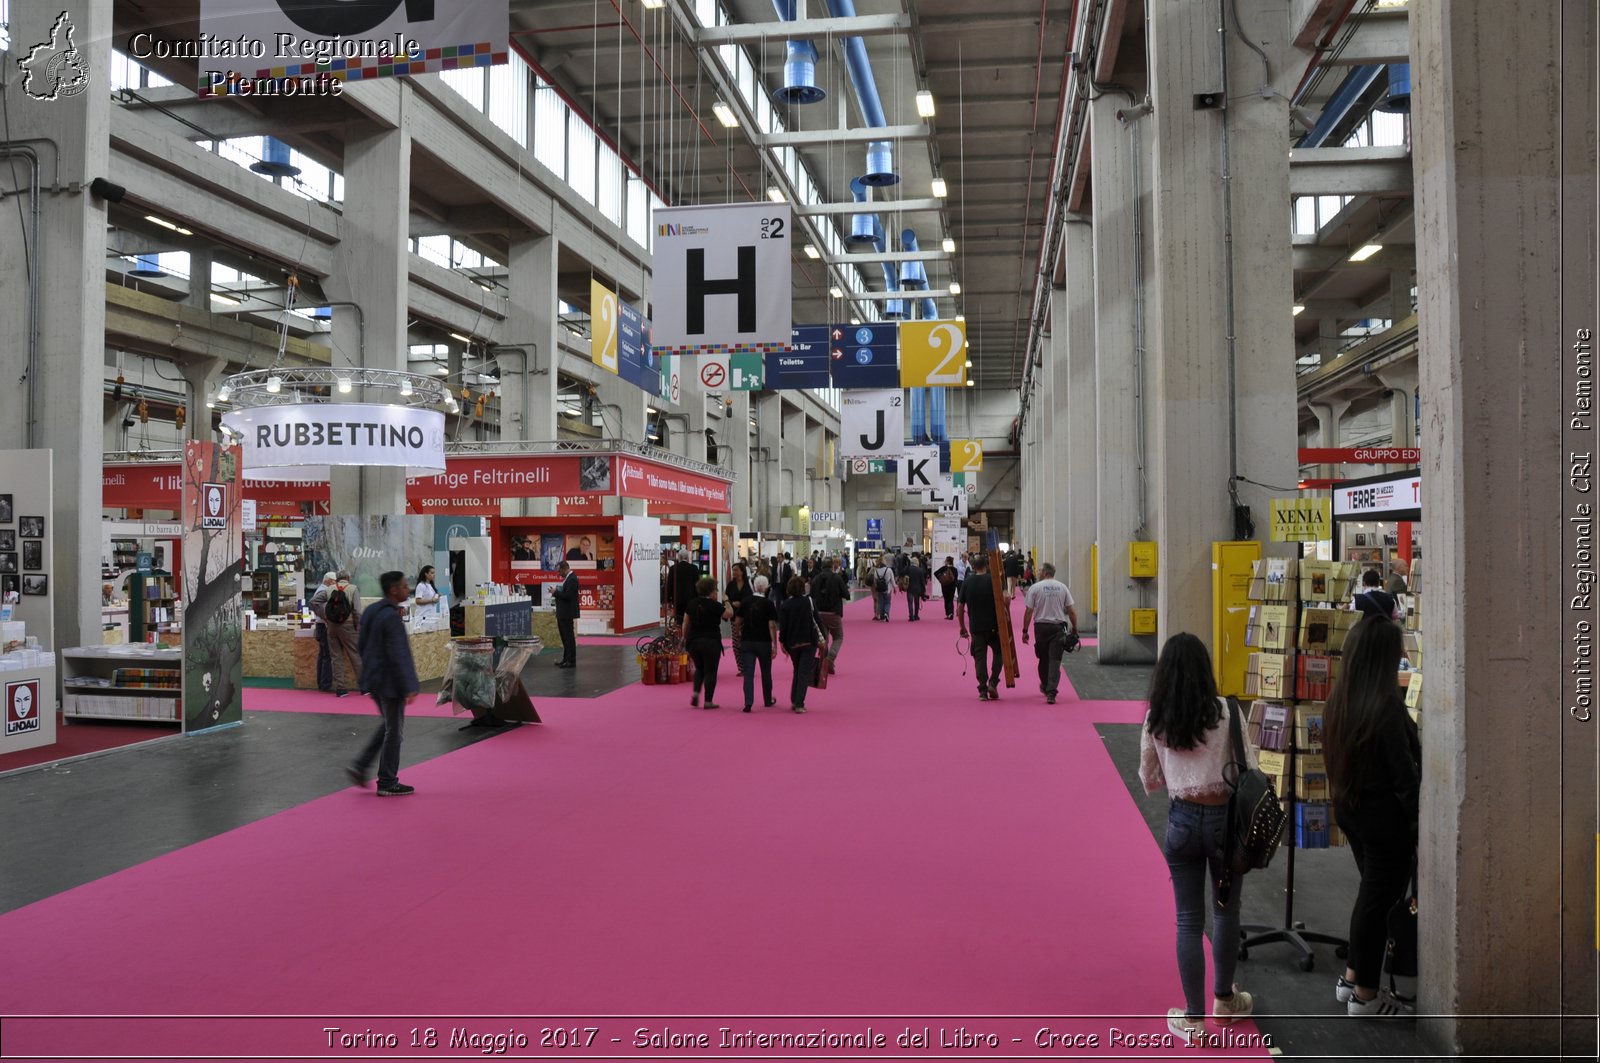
1400, 952
1256, 818
1070, 642
819, 673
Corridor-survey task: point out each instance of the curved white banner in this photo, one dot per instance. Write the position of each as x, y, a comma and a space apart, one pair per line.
323, 434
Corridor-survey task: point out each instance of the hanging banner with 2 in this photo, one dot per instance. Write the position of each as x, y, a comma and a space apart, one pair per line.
933, 354
872, 423
722, 277
966, 455
602, 326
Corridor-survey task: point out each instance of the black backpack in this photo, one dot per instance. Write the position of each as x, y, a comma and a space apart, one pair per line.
338, 609
1256, 818
882, 584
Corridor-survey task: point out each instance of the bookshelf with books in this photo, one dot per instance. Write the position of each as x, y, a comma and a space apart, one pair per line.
153, 608
131, 682
1295, 632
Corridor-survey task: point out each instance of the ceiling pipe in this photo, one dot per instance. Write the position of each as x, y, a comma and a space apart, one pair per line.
913, 275
880, 153
860, 224
800, 68
893, 309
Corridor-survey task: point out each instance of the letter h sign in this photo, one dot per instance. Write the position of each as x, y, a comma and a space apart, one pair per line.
721, 277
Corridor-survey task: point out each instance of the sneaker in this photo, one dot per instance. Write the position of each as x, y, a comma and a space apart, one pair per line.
983, 693
769, 703
1049, 699
1190, 1030
357, 776
1343, 991
1240, 1006
694, 701
994, 693
1383, 1006
799, 708
712, 705
399, 789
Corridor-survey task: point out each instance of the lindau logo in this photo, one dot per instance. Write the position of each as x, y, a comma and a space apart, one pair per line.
55, 69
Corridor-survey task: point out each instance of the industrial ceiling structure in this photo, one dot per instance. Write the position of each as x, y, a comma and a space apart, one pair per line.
927, 147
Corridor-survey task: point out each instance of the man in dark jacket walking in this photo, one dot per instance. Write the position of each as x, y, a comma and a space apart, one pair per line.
916, 588
390, 676
682, 579
828, 594
566, 597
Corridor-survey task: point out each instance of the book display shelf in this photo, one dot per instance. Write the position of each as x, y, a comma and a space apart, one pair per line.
1296, 629
133, 682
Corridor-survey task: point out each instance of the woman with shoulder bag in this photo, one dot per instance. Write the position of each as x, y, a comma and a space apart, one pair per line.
1373, 757
1184, 748
800, 635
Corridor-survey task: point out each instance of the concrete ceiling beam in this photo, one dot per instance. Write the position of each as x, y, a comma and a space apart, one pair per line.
1349, 171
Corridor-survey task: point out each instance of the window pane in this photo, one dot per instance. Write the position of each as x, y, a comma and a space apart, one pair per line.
609, 184
1305, 215
580, 158
508, 98
469, 83
550, 130
1388, 130
638, 211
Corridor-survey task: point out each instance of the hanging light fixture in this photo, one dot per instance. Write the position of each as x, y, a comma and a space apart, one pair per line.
955, 287
725, 115
405, 388
274, 384
344, 385
949, 245
223, 393
939, 188
925, 104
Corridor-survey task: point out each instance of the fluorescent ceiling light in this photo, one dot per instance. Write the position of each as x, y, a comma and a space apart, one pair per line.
961, 317
1361, 254
955, 287
653, 5
444, 370
775, 193
165, 224
969, 363
971, 383
949, 245
835, 292
459, 336
925, 104
855, 321
812, 252
939, 189
1299, 308
218, 297
725, 115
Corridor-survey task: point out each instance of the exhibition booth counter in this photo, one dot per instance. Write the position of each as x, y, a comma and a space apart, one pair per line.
284, 648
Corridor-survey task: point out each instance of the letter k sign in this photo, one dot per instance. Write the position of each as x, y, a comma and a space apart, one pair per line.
917, 475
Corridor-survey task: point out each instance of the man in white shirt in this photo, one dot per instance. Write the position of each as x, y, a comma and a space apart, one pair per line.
1048, 611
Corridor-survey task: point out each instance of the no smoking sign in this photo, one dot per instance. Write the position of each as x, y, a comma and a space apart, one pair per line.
713, 374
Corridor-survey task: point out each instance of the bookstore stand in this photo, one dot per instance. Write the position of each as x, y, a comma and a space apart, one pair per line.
1291, 932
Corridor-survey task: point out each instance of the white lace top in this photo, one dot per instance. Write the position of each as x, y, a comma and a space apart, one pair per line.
1189, 773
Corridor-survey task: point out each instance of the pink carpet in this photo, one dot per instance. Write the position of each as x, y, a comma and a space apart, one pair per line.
901, 857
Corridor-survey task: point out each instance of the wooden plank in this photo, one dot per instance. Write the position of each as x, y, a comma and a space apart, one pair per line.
1002, 611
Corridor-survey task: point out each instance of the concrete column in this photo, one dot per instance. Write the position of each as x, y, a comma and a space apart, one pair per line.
1402, 383
1506, 273
527, 361
1074, 395
199, 281
735, 437
767, 479
372, 273
1218, 411
1052, 432
796, 469
1402, 275
201, 375
1329, 415
60, 407
1119, 482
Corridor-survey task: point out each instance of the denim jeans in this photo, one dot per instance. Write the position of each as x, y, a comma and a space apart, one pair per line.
1193, 848
387, 738
753, 655
884, 598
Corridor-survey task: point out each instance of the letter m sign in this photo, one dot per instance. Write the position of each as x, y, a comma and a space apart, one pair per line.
721, 276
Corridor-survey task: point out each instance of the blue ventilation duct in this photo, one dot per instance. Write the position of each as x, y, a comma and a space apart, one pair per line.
1347, 95
880, 153
893, 309
1398, 98
913, 275
800, 68
146, 266
275, 161
936, 414
860, 224
919, 417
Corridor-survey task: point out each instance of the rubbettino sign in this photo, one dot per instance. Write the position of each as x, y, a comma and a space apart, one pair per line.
324, 434
1302, 520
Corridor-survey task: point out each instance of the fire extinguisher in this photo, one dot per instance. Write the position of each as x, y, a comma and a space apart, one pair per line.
674, 670
661, 670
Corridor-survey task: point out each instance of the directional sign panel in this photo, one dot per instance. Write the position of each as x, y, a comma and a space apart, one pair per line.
865, 356
966, 455
602, 326
872, 423
920, 469
933, 354
803, 367
722, 276
634, 361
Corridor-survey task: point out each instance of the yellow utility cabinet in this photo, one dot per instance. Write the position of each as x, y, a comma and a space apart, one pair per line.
1142, 560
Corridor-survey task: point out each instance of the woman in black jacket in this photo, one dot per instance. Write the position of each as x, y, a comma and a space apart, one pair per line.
948, 577
800, 636
737, 590
1373, 759
703, 635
